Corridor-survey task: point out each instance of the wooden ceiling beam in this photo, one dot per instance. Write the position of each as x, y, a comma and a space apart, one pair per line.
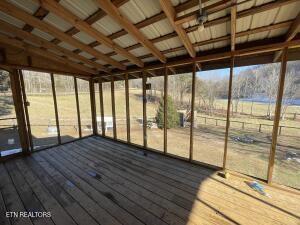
248, 50
115, 14
218, 6
292, 32
46, 27
170, 12
226, 37
99, 14
46, 44
188, 30
233, 25
257, 9
43, 53
81, 25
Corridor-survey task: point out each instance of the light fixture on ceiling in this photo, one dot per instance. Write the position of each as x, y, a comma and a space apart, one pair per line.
202, 17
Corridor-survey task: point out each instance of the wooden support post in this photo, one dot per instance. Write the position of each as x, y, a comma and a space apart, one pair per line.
93, 106
192, 113
113, 108
77, 107
101, 107
127, 107
277, 114
26, 109
19, 109
144, 80
228, 112
55, 108
166, 110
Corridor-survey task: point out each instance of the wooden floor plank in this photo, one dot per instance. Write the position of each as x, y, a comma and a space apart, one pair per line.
232, 215
116, 197
3, 218
58, 213
99, 181
295, 220
101, 198
171, 206
80, 216
11, 198
146, 199
86, 200
28, 197
167, 162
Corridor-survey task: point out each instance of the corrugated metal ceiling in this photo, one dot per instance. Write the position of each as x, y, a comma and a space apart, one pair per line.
139, 10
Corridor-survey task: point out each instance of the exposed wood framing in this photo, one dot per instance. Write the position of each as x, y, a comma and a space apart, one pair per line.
113, 107
101, 107
40, 13
277, 114
24, 100
233, 25
55, 108
217, 21
17, 58
222, 55
257, 9
14, 11
99, 14
42, 52
93, 106
77, 107
228, 113
115, 14
191, 155
165, 109
219, 39
169, 10
221, 5
19, 110
292, 32
45, 44
127, 107
144, 80
81, 25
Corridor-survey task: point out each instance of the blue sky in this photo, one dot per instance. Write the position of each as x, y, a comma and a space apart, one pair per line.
220, 73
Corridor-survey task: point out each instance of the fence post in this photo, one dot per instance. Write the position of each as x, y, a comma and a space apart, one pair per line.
259, 129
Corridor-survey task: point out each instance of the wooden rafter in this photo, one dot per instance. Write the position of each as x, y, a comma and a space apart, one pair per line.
257, 9
170, 12
46, 44
233, 25
99, 14
115, 14
40, 13
218, 6
31, 20
292, 32
226, 37
253, 49
4, 40
81, 25
211, 23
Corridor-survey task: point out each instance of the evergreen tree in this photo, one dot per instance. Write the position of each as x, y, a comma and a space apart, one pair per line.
173, 116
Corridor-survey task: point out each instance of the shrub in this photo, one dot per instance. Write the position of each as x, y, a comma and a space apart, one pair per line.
172, 118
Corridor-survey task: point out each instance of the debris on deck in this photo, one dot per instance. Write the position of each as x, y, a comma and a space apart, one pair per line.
258, 187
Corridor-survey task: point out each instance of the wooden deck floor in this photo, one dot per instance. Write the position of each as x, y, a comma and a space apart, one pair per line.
97, 181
